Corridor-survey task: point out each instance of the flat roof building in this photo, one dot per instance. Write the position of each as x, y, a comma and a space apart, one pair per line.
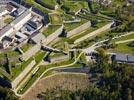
21, 35
121, 57
124, 58
130, 58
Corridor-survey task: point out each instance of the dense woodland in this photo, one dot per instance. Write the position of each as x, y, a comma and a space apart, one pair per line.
120, 10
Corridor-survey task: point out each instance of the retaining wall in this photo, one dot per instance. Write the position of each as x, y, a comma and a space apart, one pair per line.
79, 29
54, 35
22, 75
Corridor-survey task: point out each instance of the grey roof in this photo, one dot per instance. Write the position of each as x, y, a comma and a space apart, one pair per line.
5, 29
130, 58
21, 35
19, 11
131, 1
6, 42
18, 19
121, 57
29, 28
34, 24
6, 38
38, 38
4, 1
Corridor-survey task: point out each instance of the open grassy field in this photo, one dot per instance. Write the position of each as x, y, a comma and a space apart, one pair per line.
65, 81
72, 26
89, 30
50, 2
74, 6
131, 36
26, 46
123, 48
33, 3
16, 70
51, 29
39, 56
55, 19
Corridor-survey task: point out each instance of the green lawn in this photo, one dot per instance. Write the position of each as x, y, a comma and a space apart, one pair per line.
2, 56
16, 70
56, 19
123, 48
59, 18
8, 20
51, 29
12, 53
56, 55
90, 41
71, 26
4, 74
52, 71
89, 30
75, 6
67, 17
50, 2
26, 46
39, 56
33, 3
39, 72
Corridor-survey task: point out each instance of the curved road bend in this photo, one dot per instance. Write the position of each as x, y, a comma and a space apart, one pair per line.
21, 95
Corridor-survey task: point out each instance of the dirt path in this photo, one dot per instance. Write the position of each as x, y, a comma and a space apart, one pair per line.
124, 41
70, 81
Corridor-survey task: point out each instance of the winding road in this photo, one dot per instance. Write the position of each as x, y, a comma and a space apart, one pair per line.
53, 68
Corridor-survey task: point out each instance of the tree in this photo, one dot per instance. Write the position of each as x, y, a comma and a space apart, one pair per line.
90, 2
7, 94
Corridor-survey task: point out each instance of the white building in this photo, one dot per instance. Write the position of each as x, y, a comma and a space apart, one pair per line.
15, 25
